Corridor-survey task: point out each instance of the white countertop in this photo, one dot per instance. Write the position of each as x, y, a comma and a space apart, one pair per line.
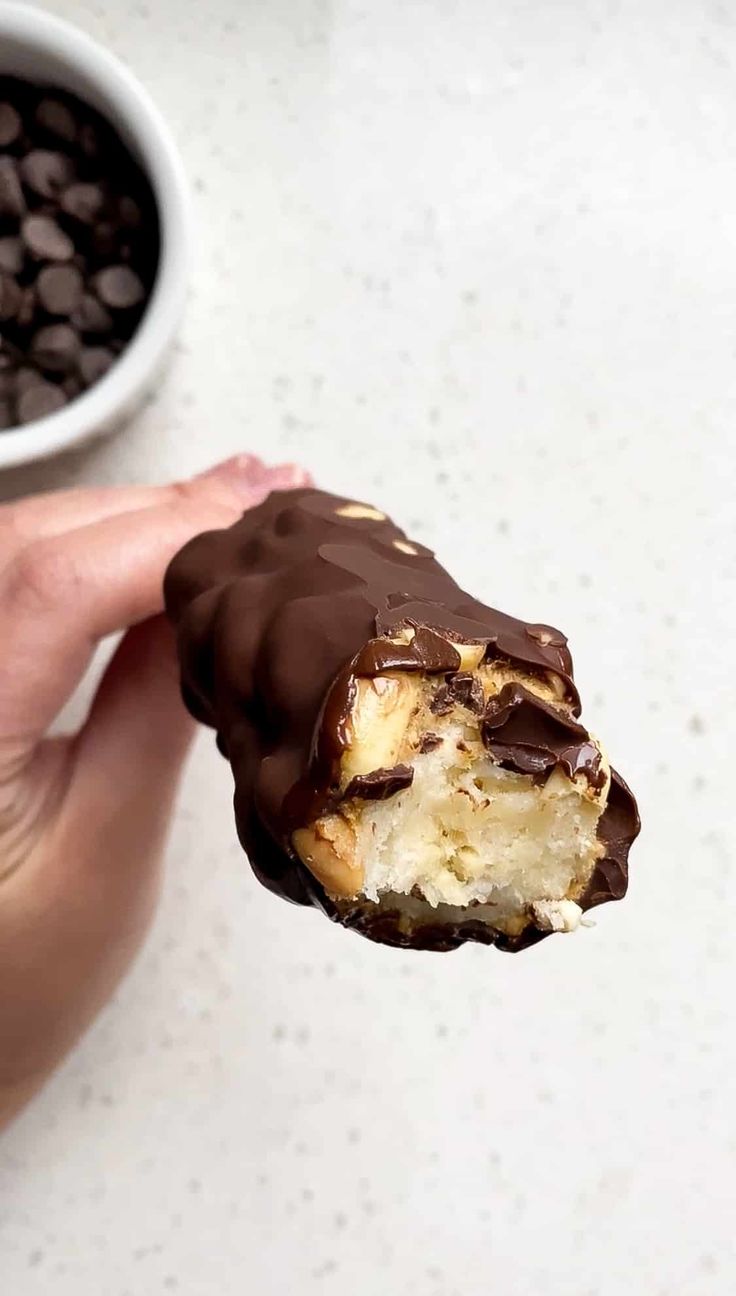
474, 260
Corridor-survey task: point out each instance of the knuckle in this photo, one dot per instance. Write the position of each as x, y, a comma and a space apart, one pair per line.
193, 506
204, 499
179, 492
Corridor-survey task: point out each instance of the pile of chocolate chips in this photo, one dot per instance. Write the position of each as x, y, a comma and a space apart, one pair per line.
79, 247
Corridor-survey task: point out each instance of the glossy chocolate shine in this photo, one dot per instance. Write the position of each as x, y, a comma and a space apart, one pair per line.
278, 617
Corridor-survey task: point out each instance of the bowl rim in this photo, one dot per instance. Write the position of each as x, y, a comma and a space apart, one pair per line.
96, 410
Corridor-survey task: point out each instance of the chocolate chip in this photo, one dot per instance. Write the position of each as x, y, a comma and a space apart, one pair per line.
380, 784
83, 202
12, 201
91, 316
60, 289
46, 240
119, 287
26, 377
10, 125
94, 362
11, 254
89, 140
56, 119
40, 400
105, 240
46, 173
467, 690
55, 348
460, 690
72, 386
129, 213
10, 298
27, 309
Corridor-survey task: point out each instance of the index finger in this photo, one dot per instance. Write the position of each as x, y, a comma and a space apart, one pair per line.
52, 513
59, 596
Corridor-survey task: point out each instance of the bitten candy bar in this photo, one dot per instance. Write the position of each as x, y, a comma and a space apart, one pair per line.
405, 758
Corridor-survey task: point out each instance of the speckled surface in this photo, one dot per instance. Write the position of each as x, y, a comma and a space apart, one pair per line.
474, 261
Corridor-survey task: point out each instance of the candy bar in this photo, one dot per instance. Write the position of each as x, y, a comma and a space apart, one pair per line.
405, 758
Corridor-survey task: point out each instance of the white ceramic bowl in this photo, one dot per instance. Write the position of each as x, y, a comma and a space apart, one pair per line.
37, 46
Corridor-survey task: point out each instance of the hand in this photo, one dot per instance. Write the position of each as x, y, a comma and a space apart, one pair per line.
83, 819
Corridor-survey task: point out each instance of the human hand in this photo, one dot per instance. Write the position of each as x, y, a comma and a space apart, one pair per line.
83, 819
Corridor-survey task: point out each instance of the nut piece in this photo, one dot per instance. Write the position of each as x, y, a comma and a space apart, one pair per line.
378, 723
404, 546
471, 655
404, 635
328, 850
496, 674
360, 511
557, 685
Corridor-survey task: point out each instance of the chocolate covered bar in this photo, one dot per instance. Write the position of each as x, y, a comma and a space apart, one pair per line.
405, 758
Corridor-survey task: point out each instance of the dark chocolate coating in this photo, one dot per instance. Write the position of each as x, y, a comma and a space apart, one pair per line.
528, 735
279, 615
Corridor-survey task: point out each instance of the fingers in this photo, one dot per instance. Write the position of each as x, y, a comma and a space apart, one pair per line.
61, 594
53, 513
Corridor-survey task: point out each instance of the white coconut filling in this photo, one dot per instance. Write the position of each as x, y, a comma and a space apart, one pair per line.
468, 840
469, 833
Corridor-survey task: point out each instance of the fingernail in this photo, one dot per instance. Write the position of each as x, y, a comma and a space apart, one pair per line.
250, 477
